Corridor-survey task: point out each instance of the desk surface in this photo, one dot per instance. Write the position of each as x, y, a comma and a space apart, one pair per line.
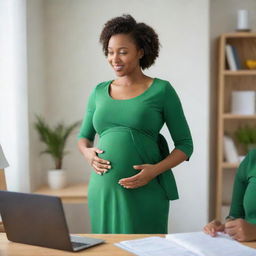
108, 249
76, 193
8, 248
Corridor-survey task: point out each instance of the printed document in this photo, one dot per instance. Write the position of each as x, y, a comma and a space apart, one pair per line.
154, 246
187, 244
202, 244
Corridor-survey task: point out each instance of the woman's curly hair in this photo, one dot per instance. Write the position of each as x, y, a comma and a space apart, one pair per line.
144, 36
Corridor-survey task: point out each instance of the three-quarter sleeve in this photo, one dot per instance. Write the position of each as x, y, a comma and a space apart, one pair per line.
87, 129
176, 122
239, 187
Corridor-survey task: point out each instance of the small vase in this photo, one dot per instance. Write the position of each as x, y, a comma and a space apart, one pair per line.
57, 178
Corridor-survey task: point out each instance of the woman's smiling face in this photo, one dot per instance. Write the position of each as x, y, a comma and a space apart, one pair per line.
123, 54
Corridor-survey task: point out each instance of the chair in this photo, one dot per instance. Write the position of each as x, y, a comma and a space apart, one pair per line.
3, 164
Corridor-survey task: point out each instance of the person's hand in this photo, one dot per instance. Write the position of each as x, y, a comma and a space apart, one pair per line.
99, 165
146, 174
213, 227
241, 230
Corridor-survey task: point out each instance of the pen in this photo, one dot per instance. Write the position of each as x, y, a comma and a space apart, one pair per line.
229, 218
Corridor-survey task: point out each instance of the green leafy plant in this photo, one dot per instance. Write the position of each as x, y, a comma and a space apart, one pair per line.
54, 138
246, 135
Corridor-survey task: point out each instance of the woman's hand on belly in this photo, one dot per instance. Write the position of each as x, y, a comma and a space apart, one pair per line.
99, 165
146, 174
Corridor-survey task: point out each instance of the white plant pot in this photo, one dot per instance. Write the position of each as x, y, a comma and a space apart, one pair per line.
57, 178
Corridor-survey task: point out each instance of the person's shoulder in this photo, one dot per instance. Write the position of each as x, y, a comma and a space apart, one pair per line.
247, 166
164, 85
252, 156
100, 87
166, 88
252, 152
162, 82
102, 84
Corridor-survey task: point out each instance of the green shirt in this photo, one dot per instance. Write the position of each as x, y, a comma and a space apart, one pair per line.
244, 191
129, 135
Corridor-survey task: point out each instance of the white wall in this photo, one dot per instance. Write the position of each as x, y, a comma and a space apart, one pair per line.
74, 64
37, 99
13, 91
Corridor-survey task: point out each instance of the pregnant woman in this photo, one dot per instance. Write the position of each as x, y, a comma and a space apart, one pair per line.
132, 182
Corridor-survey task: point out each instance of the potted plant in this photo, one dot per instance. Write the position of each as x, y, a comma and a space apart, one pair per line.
247, 136
55, 141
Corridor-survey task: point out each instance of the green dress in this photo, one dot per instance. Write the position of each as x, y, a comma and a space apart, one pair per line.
129, 135
244, 191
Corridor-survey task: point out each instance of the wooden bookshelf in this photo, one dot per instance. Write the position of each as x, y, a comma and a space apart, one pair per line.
226, 165
232, 116
239, 73
228, 123
75, 193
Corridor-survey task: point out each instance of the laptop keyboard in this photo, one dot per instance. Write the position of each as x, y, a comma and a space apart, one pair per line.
76, 244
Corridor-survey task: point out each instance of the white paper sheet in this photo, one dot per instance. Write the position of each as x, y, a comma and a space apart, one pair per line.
154, 246
202, 244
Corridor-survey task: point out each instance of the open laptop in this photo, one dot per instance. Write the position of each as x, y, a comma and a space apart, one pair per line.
39, 220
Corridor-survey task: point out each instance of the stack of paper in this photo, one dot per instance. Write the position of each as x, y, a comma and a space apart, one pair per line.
187, 244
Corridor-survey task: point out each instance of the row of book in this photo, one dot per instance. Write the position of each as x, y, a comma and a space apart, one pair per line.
232, 58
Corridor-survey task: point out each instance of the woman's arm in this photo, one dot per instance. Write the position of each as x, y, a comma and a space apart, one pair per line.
239, 228
90, 154
150, 171
239, 188
83, 144
180, 133
86, 138
175, 158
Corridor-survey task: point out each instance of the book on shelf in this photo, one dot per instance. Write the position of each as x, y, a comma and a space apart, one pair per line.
232, 58
237, 59
230, 151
